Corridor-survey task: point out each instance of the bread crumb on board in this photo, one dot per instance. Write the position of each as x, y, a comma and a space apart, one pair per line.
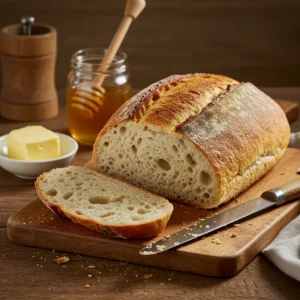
216, 241
148, 276
233, 235
92, 267
62, 260
236, 225
87, 286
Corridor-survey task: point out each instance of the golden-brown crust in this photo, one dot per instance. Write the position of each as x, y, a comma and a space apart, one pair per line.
139, 231
235, 133
235, 128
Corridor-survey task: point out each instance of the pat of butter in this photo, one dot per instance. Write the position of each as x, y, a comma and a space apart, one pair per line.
33, 143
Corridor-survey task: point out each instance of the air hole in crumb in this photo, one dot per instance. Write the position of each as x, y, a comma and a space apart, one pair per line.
163, 164
202, 201
206, 195
108, 214
68, 172
175, 148
130, 207
205, 178
145, 128
139, 141
147, 206
123, 130
45, 181
176, 174
110, 163
190, 160
73, 177
142, 211
190, 169
66, 196
61, 180
181, 142
150, 138
120, 155
78, 212
184, 185
134, 149
78, 183
52, 192
99, 200
106, 144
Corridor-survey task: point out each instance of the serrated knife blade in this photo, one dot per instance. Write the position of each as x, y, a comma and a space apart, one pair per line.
275, 197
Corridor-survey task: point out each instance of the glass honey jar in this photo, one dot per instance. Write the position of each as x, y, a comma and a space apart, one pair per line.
87, 116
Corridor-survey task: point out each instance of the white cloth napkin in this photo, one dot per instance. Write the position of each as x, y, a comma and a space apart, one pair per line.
284, 250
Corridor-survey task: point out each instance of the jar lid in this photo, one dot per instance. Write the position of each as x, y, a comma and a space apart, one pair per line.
42, 40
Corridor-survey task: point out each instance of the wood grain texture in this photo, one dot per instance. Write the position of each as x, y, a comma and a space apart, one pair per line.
246, 40
37, 226
115, 280
259, 280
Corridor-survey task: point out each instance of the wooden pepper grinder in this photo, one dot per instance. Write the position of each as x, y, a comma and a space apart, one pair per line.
28, 54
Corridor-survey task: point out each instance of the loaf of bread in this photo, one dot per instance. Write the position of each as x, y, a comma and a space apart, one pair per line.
200, 139
104, 204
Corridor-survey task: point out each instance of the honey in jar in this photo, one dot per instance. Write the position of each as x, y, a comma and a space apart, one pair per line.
86, 117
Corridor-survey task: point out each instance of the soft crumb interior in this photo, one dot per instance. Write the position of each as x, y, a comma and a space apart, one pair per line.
95, 196
159, 161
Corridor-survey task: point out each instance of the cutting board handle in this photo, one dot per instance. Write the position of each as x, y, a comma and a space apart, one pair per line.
285, 193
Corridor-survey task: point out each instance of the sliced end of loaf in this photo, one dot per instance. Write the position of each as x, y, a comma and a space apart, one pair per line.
173, 167
104, 204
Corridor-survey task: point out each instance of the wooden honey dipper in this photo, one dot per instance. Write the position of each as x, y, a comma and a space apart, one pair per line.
88, 95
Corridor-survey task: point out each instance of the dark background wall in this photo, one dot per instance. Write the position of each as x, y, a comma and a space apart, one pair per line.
257, 41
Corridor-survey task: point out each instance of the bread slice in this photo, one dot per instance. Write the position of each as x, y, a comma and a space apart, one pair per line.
200, 139
102, 203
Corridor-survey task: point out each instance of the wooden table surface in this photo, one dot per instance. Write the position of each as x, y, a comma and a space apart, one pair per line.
30, 273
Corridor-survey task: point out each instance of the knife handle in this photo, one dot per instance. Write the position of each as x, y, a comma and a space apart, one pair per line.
287, 192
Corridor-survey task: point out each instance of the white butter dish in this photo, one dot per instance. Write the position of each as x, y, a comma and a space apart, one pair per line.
30, 169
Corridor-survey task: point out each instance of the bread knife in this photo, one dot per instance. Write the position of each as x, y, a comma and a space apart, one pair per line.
274, 197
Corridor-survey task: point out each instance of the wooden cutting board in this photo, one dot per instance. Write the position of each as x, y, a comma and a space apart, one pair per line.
36, 225
290, 108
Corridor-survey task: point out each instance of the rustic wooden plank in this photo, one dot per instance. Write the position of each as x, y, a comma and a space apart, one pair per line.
249, 41
36, 225
291, 109
260, 280
25, 276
